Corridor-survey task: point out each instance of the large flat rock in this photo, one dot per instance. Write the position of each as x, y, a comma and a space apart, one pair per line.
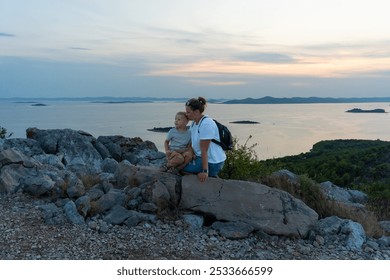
270, 210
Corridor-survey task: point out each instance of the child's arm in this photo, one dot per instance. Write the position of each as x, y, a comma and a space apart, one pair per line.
166, 147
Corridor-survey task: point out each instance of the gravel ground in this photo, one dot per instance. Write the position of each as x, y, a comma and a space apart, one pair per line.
25, 236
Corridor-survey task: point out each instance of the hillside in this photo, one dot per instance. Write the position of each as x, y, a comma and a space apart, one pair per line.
355, 164
344, 162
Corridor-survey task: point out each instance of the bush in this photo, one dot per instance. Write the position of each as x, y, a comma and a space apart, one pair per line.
241, 163
379, 198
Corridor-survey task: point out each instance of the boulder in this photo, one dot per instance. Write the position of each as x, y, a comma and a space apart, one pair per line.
52, 214
72, 214
18, 171
77, 147
336, 193
28, 147
233, 230
345, 231
267, 209
108, 201
134, 150
130, 176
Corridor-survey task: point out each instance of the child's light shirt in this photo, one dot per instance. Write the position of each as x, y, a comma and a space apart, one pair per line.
178, 139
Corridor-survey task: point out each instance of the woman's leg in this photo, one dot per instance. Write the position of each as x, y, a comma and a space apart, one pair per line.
194, 166
214, 168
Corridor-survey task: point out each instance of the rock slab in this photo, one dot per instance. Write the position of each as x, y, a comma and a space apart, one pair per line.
267, 209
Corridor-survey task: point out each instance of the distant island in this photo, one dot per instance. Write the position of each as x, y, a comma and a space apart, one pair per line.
357, 110
261, 100
305, 100
160, 129
39, 104
167, 128
245, 122
120, 102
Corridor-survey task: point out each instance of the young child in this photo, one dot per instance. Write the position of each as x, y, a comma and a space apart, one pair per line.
178, 143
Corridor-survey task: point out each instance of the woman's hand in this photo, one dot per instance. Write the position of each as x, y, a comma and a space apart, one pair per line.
202, 176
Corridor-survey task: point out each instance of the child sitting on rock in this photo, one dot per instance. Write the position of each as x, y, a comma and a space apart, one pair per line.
178, 144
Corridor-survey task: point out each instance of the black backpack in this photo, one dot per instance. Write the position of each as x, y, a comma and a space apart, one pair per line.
224, 135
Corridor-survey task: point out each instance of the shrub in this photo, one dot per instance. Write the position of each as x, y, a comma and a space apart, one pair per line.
90, 180
379, 198
241, 163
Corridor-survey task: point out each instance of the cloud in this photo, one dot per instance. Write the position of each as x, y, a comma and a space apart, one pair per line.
2, 34
265, 57
199, 82
339, 64
300, 84
80, 49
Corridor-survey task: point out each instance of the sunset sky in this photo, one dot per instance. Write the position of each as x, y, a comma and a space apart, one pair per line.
184, 48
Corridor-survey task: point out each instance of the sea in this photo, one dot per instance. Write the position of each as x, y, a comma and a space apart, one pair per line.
279, 129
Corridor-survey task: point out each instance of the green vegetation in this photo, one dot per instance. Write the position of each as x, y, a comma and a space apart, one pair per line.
344, 162
241, 163
356, 164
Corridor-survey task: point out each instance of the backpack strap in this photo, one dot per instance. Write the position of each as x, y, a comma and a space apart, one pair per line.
212, 140
200, 122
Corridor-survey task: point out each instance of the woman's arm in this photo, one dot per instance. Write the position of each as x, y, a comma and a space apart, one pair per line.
204, 147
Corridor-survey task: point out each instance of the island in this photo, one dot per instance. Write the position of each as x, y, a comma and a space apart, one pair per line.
160, 129
167, 128
39, 104
358, 110
245, 122
305, 100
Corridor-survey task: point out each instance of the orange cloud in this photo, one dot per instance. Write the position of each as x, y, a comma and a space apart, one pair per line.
215, 83
336, 67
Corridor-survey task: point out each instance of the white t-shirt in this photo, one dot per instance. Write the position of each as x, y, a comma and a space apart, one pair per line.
206, 129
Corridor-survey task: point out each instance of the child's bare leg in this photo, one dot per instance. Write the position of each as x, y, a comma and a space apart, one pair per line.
187, 157
175, 159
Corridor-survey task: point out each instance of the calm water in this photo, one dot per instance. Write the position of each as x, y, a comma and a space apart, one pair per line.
282, 130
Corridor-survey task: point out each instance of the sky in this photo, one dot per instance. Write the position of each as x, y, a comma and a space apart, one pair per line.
188, 48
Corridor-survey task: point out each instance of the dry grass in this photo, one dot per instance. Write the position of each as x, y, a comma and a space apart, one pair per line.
310, 192
90, 180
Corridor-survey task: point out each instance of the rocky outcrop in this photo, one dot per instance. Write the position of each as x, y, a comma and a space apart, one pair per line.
19, 172
78, 150
135, 150
270, 210
114, 180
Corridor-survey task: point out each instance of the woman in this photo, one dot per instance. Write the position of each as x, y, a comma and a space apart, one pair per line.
210, 157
